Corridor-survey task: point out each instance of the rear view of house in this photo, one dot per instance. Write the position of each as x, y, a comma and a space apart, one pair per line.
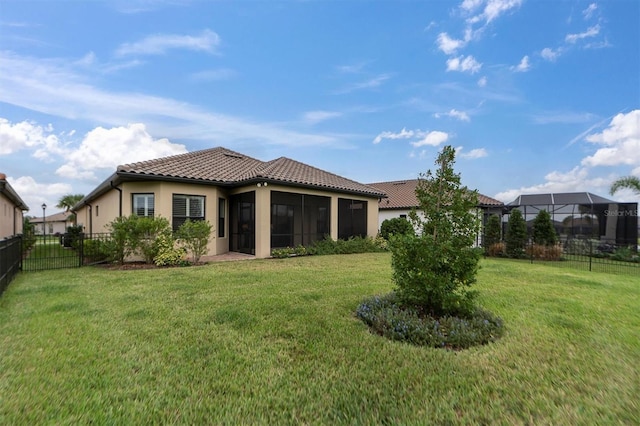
254, 206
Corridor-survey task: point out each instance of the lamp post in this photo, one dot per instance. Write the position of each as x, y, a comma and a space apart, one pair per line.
44, 221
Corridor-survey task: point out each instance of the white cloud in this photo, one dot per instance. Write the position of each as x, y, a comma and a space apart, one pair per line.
588, 12
433, 138
462, 64
314, 117
482, 82
621, 141
575, 180
590, 32
549, 54
449, 45
454, 113
107, 148
403, 134
207, 41
473, 154
523, 66
14, 137
492, 9
51, 87
34, 193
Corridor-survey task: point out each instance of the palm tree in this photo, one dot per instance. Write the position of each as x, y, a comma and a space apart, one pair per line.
630, 182
68, 201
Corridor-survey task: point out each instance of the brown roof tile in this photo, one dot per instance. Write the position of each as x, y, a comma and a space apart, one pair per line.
402, 195
225, 166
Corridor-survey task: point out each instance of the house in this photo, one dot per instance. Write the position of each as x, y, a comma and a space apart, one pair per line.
401, 199
11, 210
254, 206
54, 224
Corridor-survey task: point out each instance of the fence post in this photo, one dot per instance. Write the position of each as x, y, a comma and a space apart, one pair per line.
81, 249
590, 253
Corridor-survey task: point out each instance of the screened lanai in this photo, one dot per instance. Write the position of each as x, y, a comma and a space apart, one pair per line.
582, 215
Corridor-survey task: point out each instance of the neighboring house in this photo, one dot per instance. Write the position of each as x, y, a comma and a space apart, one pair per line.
401, 199
11, 210
582, 215
254, 206
54, 224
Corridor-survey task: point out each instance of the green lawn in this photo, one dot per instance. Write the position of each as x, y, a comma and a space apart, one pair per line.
276, 341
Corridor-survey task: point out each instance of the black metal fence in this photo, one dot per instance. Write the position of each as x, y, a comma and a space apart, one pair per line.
585, 254
10, 260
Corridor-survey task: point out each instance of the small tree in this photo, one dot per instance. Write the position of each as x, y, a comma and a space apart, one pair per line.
395, 226
516, 235
543, 231
28, 235
194, 236
124, 237
492, 232
433, 271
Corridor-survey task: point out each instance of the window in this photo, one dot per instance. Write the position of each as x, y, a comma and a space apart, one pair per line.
187, 207
221, 216
97, 211
143, 205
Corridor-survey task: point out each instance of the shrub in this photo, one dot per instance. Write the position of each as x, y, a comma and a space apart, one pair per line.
28, 235
396, 226
168, 253
543, 231
516, 235
136, 235
352, 245
496, 250
387, 317
149, 230
492, 233
544, 252
97, 250
194, 236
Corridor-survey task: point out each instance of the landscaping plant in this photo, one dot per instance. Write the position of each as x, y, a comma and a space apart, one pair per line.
396, 226
194, 236
492, 235
516, 235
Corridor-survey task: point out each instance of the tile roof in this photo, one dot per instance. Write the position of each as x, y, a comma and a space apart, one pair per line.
402, 195
223, 166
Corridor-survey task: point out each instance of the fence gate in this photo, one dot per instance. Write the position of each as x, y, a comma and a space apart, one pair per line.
54, 252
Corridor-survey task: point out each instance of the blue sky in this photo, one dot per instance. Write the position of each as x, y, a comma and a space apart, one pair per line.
537, 96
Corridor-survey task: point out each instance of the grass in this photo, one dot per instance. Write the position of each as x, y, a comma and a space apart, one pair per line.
277, 341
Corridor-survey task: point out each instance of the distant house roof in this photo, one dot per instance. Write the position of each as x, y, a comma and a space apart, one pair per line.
57, 217
402, 195
10, 193
559, 198
223, 167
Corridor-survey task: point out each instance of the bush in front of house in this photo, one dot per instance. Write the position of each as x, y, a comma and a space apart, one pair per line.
387, 317
168, 252
543, 230
134, 235
194, 237
352, 245
396, 226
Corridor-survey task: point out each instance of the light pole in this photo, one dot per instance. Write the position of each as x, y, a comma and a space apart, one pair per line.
44, 221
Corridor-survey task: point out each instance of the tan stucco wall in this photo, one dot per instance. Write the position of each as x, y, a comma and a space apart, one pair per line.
11, 218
